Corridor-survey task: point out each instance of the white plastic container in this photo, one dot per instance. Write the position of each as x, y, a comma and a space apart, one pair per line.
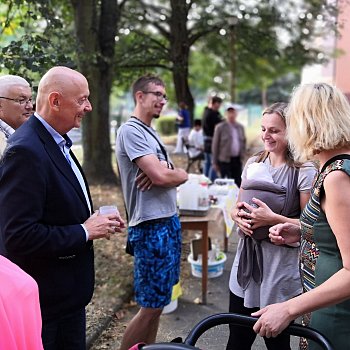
193, 198
172, 306
215, 267
188, 195
176, 293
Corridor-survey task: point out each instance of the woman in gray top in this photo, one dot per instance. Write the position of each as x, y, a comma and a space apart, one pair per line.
264, 273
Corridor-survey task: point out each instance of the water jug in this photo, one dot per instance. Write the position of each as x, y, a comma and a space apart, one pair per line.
188, 195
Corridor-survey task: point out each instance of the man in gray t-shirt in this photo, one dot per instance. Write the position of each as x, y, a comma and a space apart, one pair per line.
149, 183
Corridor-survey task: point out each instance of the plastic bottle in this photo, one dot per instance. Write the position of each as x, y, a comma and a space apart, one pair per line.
216, 248
203, 196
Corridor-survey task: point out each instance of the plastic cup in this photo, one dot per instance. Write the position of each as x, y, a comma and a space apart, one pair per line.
108, 209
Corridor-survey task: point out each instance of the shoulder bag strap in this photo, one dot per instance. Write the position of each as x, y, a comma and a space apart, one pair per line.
149, 131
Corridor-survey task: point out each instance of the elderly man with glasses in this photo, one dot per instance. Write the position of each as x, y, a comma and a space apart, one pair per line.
16, 104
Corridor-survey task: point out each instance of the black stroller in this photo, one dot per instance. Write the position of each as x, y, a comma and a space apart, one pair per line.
246, 321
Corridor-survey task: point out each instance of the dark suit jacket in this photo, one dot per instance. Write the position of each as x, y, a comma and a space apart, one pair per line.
42, 206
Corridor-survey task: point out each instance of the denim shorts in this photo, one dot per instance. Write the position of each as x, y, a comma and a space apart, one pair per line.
157, 252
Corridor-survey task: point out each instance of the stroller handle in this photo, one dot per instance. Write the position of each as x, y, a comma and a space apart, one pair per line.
168, 346
248, 321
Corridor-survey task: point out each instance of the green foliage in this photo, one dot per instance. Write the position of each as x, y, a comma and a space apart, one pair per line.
198, 45
204, 68
279, 90
35, 36
251, 44
166, 125
137, 55
262, 42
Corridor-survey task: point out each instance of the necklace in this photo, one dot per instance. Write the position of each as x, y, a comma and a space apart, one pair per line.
140, 121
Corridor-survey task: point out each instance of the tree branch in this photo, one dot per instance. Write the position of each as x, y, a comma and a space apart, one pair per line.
195, 36
189, 5
161, 29
156, 9
155, 41
7, 17
122, 4
146, 65
153, 8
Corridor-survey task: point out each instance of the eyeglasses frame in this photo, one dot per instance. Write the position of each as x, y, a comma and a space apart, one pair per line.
22, 102
158, 94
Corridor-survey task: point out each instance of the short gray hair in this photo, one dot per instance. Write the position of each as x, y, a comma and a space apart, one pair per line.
10, 80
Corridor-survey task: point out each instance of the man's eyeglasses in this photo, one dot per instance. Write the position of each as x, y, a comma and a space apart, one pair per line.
21, 101
158, 94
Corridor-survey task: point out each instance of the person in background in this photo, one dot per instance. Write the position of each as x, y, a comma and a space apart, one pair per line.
229, 147
149, 182
183, 122
16, 105
46, 226
318, 123
263, 272
211, 117
196, 140
20, 319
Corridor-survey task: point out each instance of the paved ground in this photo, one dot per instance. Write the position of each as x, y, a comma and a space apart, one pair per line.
189, 312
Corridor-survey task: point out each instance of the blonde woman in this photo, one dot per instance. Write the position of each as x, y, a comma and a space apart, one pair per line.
318, 124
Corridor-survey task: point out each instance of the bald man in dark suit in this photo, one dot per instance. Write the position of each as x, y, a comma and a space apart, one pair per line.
46, 222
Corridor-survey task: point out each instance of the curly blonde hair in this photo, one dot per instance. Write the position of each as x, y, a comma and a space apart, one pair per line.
318, 119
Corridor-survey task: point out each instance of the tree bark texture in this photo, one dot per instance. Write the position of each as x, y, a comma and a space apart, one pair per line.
180, 53
233, 70
96, 26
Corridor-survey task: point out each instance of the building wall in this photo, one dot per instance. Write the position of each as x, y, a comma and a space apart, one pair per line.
342, 63
337, 70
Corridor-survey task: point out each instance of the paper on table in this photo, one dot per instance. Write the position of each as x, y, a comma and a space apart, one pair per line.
226, 204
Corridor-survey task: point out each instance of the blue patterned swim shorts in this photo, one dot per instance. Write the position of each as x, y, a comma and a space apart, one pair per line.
157, 251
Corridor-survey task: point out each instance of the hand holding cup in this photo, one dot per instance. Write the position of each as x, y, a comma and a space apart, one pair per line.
108, 210
113, 210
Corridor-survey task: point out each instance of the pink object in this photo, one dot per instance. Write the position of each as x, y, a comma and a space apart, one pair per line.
20, 317
137, 346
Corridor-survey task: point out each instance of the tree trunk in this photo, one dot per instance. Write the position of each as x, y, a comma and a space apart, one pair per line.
264, 101
95, 25
180, 53
232, 35
182, 89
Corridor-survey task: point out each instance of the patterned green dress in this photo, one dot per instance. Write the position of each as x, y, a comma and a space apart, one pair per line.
319, 243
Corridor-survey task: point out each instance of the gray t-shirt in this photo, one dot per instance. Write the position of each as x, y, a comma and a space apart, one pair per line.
133, 142
281, 276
